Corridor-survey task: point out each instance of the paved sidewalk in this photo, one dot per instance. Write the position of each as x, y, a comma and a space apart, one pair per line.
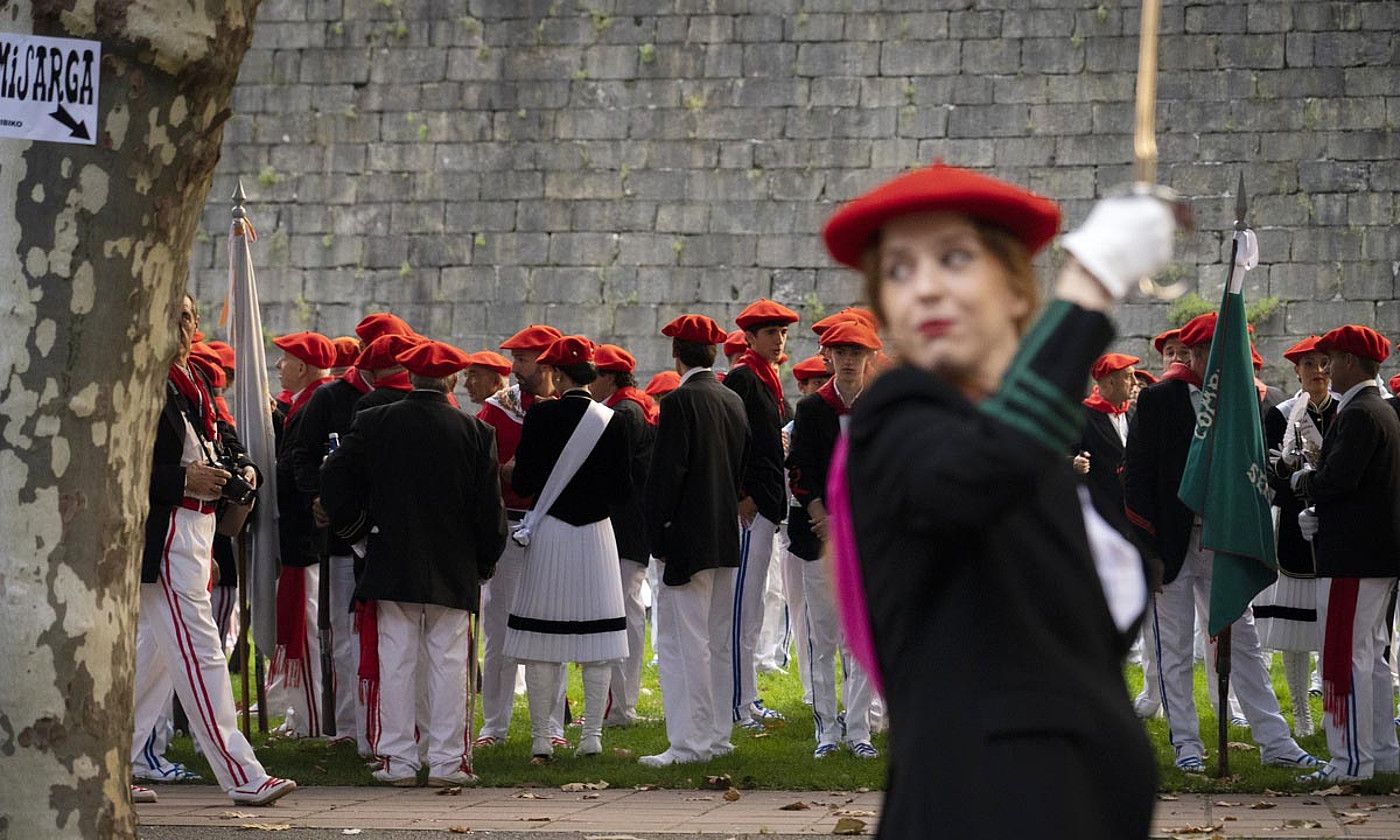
538, 812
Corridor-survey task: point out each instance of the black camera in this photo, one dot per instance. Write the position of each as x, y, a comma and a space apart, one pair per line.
236, 489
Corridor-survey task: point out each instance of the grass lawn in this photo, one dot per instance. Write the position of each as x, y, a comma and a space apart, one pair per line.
780, 758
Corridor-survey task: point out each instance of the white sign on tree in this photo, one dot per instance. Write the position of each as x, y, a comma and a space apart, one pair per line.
48, 88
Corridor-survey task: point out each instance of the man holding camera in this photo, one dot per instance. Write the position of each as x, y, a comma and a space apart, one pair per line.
176, 618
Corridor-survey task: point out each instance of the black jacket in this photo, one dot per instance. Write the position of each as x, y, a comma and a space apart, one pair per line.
330, 409
378, 397
603, 478
1295, 556
763, 468
692, 495
168, 476
1356, 491
814, 433
425, 475
628, 515
1159, 439
1105, 477
984, 602
301, 542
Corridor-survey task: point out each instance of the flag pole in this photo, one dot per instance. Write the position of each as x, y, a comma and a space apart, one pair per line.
1222, 645
240, 650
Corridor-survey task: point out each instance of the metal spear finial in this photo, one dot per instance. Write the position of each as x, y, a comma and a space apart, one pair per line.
1241, 204
239, 197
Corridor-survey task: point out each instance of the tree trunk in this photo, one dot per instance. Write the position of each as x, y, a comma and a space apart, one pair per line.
94, 253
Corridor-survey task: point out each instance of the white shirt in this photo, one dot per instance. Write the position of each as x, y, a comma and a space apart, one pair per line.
1353, 391
1120, 423
691, 373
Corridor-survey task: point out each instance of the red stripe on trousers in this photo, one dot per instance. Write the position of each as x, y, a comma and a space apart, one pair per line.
186, 646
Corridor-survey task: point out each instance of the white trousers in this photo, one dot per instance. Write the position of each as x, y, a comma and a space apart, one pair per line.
823, 641
224, 603
1149, 700
1366, 744
297, 689
184, 649
797, 616
148, 755
775, 638
695, 665
498, 671
1175, 617
345, 654
626, 681
430, 640
750, 582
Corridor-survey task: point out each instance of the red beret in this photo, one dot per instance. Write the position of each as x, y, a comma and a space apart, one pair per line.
700, 329
1296, 353
347, 348
735, 343
764, 311
1111, 363
1161, 340
811, 367
313, 348
663, 383
1255, 359
940, 188
613, 358
1357, 340
374, 325
491, 361
1199, 330
1145, 376
383, 352
533, 337
433, 359
208, 360
851, 331
1395, 384
227, 358
567, 350
849, 313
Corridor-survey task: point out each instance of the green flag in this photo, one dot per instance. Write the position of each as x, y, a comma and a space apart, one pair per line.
1225, 480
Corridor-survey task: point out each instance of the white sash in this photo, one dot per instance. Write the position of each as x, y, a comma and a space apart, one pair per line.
585, 436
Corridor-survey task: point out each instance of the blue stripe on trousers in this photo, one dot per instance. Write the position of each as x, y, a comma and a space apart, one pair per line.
736, 652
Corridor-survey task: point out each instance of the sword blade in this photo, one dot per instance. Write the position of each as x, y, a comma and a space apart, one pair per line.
1145, 123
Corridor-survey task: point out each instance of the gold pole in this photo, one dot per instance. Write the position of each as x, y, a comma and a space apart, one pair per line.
1145, 125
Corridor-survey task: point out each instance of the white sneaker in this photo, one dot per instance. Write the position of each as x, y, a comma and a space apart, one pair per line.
388, 778
457, 778
589, 745
266, 793
662, 759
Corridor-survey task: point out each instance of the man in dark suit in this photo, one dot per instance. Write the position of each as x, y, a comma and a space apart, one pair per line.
754, 377
178, 642
1354, 526
1159, 439
1106, 432
421, 478
692, 506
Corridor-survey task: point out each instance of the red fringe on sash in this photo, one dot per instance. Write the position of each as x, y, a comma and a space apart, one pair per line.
291, 628
367, 628
1336, 648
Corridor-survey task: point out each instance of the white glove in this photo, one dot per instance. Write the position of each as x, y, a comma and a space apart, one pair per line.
1287, 457
1124, 239
1307, 523
1297, 477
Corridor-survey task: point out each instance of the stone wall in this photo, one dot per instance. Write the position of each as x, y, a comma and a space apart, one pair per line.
603, 165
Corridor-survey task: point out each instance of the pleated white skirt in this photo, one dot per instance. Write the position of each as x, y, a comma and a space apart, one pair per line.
1286, 614
568, 606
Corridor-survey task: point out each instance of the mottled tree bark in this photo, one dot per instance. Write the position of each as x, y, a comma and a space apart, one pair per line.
94, 253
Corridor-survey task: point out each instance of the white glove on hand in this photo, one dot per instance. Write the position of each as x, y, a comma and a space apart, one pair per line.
1297, 477
1286, 457
1307, 523
1124, 239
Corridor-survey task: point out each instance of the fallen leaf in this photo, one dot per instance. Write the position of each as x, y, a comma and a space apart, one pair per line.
319, 768
449, 791
1336, 790
1261, 805
622, 752
236, 815
718, 782
352, 831
1223, 804
459, 829
862, 790
533, 819
525, 794
1230, 818
1240, 746
580, 787
591, 796
1353, 819
646, 787
849, 825
699, 799
265, 826
1167, 797
795, 806
1301, 824
1268, 792
1207, 828
853, 812
732, 795
758, 735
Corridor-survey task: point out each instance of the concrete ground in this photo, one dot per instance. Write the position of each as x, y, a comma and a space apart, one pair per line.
379, 813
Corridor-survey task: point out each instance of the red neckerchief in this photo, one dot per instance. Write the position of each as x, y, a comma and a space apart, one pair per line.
1096, 401
222, 408
397, 381
197, 395
302, 398
638, 396
828, 394
1178, 371
352, 375
767, 374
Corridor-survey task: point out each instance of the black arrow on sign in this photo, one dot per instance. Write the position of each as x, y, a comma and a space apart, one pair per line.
78, 128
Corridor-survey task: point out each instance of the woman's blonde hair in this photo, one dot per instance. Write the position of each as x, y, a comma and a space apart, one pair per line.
1004, 247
